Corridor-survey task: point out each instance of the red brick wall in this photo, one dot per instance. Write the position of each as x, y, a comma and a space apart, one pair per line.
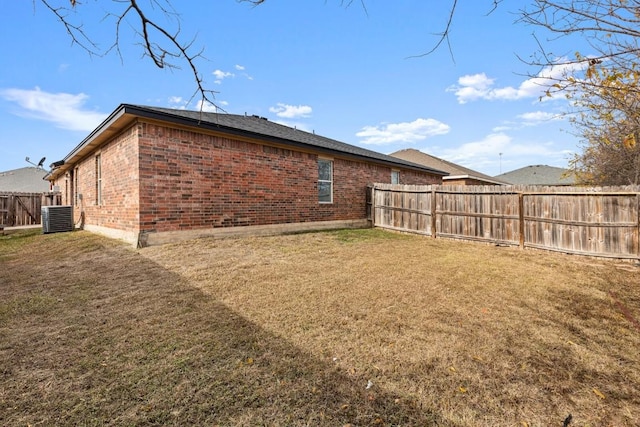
120, 196
63, 182
191, 180
156, 178
120, 183
411, 177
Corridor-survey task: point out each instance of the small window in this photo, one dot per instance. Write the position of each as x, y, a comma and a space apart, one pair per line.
395, 177
325, 181
76, 188
98, 180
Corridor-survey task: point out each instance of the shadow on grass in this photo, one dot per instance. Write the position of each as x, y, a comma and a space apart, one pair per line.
95, 334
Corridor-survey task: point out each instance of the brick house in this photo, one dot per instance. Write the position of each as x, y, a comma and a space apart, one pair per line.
151, 175
457, 175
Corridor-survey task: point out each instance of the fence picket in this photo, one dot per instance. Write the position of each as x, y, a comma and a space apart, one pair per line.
18, 209
588, 221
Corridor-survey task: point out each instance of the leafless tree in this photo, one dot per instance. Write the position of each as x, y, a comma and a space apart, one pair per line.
610, 29
162, 43
610, 26
601, 82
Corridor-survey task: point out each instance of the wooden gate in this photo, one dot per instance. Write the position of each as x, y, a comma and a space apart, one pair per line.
20, 209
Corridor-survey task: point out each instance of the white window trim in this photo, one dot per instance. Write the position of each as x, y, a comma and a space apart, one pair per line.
99, 179
326, 159
395, 171
77, 196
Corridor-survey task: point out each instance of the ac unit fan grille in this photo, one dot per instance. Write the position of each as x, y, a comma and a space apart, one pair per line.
56, 219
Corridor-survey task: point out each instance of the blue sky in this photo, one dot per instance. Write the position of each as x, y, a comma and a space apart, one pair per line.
343, 72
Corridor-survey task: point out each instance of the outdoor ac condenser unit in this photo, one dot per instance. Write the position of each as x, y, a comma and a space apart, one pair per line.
56, 219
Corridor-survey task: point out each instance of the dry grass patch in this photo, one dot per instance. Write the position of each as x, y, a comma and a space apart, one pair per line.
289, 330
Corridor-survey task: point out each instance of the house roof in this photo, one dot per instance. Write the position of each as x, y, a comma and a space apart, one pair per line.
254, 127
455, 171
539, 175
24, 180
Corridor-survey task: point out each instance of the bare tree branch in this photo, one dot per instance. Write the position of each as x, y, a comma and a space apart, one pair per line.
602, 83
76, 32
164, 47
444, 35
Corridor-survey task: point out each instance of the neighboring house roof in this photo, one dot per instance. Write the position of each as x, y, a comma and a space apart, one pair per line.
240, 125
455, 171
24, 180
539, 175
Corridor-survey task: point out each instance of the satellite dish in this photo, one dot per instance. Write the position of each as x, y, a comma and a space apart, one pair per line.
40, 163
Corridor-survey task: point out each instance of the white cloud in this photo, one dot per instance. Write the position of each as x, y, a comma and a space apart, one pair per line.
530, 119
478, 86
180, 103
243, 68
491, 145
535, 118
64, 109
291, 111
472, 87
208, 107
485, 154
177, 102
221, 75
406, 132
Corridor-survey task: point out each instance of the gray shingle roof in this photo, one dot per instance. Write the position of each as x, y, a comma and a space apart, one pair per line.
24, 180
539, 175
262, 128
416, 156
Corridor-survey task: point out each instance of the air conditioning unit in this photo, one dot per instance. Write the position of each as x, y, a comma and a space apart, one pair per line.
56, 219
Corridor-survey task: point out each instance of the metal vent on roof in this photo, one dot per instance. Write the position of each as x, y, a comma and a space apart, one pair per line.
56, 219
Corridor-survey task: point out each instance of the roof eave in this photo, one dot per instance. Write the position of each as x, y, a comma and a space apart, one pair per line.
121, 117
186, 121
126, 113
492, 181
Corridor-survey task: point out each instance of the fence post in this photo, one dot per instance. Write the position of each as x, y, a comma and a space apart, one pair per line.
637, 232
370, 204
12, 211
434, 207
521, 218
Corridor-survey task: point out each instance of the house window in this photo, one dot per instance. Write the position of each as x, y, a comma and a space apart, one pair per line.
76, 188
395, 177
98, 180
325, 181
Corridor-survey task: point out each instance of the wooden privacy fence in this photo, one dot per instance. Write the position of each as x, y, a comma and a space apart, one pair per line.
18, 209
587, 221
